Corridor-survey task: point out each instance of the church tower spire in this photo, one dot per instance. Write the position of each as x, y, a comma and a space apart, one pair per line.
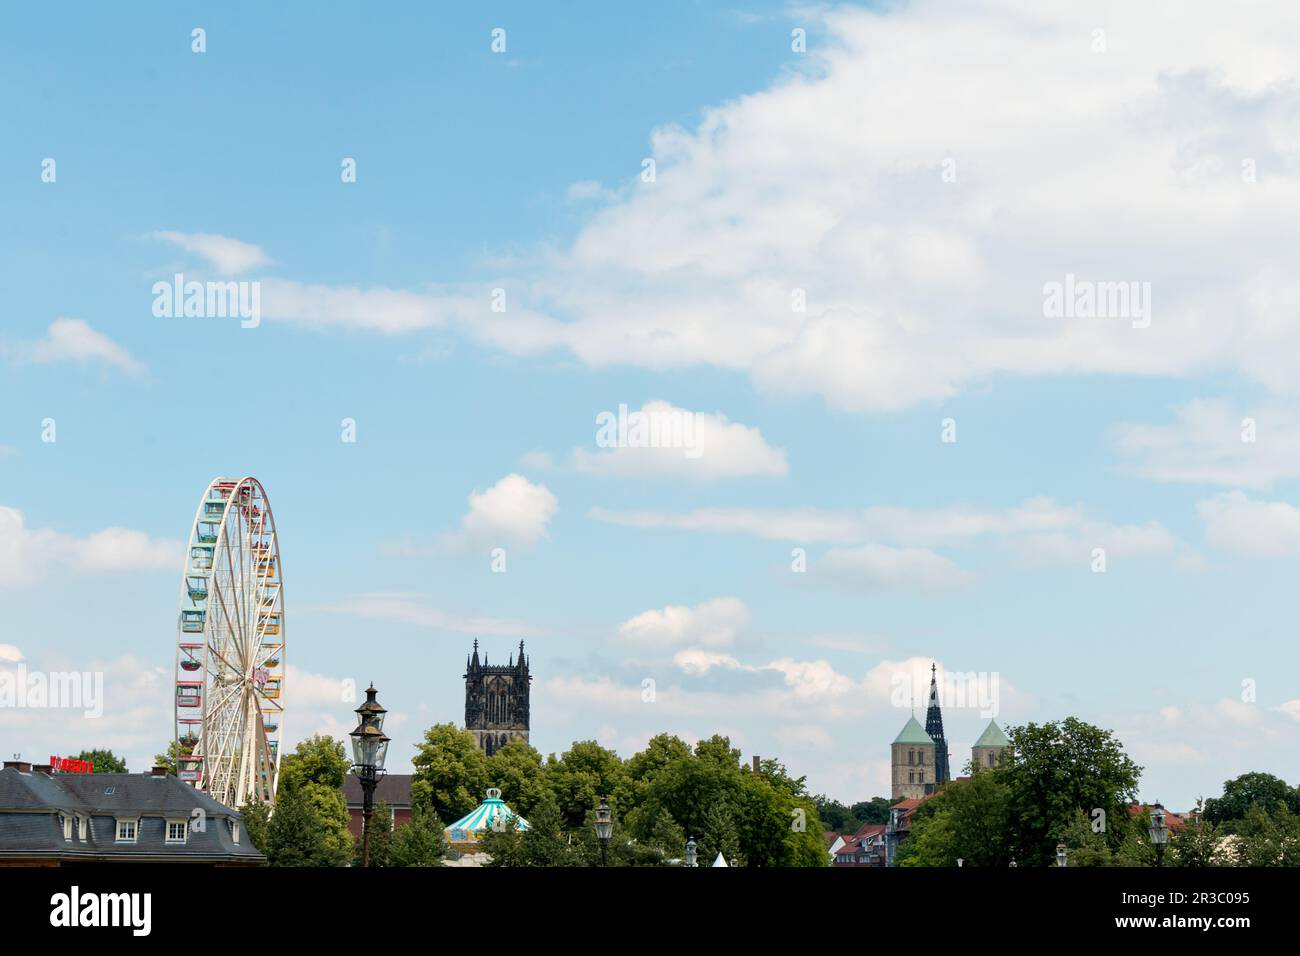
934, 728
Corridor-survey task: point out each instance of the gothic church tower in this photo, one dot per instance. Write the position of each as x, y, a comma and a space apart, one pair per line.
496, 700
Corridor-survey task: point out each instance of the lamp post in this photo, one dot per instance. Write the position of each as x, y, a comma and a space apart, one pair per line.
1159, 832
604, 829
1062, 854
692, 859
369, 749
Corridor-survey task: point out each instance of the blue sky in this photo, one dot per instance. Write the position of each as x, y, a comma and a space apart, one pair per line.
776, 170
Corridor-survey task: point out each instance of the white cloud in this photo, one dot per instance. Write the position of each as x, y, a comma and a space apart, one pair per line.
918, 287
26, 554
714, 623
1212, 442
405, 608
1037, 530
662, 440
228, 256
513, 511
10, 654
1243, 525
72, 340
877, 567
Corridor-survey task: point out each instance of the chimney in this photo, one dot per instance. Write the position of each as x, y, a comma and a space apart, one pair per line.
44, 768
22, 766
755, 763
159, 771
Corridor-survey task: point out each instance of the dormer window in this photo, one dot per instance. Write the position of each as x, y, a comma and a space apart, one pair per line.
127, 830
65, 824
177, 831
234, 831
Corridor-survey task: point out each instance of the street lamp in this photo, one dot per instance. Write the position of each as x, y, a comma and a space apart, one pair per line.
1062, 854
692, 859
369, 748
604, 829
1159, 832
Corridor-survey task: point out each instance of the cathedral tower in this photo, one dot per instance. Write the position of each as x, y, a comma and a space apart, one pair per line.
496, 700
988, 749
934, 728
912, 763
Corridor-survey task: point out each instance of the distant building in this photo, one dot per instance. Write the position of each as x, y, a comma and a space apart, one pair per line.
866, 847
496, 700
919, 755
989, 748
53, 819
393, 790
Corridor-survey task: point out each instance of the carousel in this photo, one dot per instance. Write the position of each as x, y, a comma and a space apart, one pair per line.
492, 814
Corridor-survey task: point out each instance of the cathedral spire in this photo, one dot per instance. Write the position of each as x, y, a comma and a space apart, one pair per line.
934, 728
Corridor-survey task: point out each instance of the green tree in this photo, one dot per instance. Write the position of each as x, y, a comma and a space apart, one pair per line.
517, 770
1197, 844
1243, 792
544, 844
1268, 839
310, 824
419, 842
581, 776
874, 811
171, 759
257, 822
719, 836
1055, 770
968, 821
451, 772
105, 761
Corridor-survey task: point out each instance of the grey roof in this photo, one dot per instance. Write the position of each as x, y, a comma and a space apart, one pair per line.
30, 804
393, 789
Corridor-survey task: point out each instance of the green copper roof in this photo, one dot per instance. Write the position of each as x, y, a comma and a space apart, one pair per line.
993, 736
912, 733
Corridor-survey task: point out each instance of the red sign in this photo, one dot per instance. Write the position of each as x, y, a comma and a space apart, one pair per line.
69, 765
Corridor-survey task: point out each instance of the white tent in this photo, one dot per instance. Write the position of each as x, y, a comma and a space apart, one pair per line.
719, 861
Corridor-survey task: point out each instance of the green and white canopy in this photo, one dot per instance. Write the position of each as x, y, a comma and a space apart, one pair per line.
491, 814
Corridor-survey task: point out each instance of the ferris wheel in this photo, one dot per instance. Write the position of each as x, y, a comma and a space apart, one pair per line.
229, 697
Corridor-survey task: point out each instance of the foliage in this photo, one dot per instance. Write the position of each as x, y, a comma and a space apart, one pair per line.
967, 821
1241, 793
1198, 844
105, 761
451, 773
171, 758
257, 822
419, 842
310, 824
517, 770
543, 844
1265, 839
1053, 771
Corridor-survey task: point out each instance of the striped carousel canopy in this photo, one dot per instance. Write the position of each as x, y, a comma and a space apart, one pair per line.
491, 814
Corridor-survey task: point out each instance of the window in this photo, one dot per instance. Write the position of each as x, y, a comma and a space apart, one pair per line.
234, 831
65, 824
79, 831
126, 831
177, 831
